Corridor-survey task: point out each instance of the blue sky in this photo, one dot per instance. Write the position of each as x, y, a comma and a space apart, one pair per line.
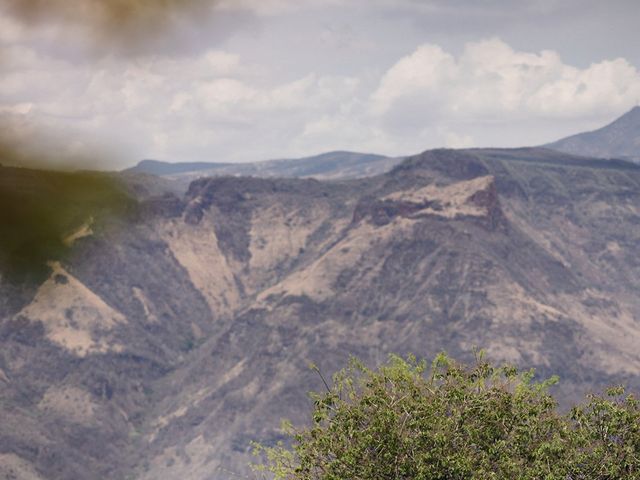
245, 80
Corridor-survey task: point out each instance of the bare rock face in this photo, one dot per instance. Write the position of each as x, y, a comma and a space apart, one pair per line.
475, 198
168, 341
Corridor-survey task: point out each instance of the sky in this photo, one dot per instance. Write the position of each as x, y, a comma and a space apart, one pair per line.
249, 80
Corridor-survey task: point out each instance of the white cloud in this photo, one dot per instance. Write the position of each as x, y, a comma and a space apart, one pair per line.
423, 74
490, 81
216, 105
209, 106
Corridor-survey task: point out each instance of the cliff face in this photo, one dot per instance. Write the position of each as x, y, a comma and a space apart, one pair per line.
177, 337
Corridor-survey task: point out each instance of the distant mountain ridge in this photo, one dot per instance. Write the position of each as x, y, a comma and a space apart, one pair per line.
619, 139
330, 165
160, 168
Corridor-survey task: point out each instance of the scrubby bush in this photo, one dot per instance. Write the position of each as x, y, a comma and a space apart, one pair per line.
409, 420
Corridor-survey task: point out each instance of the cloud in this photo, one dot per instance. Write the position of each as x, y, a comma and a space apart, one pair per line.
126, 26
490, 81
74, 70
84, 30
421, 74
178, 108
276, 7
218, 105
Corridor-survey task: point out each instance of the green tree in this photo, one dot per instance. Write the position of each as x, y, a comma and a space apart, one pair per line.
408, 420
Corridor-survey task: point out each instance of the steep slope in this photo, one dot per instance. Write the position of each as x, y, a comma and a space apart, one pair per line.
527, 253
82, 351
81, 348
619, 139
168, 341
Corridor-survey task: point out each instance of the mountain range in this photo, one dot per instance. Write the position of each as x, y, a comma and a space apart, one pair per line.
620, 139
326, 166
171, 336
617, 140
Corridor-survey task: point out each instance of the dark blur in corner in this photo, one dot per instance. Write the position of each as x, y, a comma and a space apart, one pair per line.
43, 212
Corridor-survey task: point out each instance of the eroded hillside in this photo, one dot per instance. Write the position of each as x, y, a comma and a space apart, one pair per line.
164, 345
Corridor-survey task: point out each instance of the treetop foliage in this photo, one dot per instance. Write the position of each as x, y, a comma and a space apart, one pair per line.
448, 421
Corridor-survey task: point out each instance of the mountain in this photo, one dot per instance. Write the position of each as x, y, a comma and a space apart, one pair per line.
619, 139
157, 167
331, 165
168, 340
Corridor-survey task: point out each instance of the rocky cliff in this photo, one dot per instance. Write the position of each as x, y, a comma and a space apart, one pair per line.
168, 341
